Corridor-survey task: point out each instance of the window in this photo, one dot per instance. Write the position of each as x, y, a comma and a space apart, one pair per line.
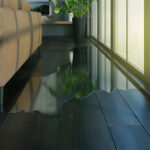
120, 27
104, 72
105, 22
119, 80
94, 20
129, 31
136, 33
88, 58
102, 21
108, 75
108, 23
101, 71
88, 22
94, 64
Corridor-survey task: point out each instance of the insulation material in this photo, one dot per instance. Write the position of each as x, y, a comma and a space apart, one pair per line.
25, 5
15, 4
35, 30
20, 36
24, 36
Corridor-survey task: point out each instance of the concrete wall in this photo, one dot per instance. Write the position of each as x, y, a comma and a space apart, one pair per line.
57, 30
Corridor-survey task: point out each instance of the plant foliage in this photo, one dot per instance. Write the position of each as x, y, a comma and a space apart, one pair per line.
73, 82
78, 7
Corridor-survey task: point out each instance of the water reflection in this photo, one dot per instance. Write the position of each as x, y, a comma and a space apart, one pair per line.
46, 102
107, 75
27, 97
72, 82
71, 56
82, 71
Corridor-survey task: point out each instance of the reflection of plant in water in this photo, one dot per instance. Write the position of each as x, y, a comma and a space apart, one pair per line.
73, 82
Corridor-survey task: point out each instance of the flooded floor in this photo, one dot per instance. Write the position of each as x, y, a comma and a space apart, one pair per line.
59, 72
69, 97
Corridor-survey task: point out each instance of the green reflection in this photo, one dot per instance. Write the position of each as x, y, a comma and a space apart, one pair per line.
72, 82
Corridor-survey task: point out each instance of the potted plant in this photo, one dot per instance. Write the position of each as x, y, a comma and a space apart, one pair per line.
72, 82
66, 9
79, 21
79, 9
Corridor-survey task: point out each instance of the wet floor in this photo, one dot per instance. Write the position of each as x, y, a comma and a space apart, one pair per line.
59, 72
72, 97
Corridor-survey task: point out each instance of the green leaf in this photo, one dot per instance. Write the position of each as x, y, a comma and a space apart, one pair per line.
78, 95
57, 10
58, 69
55, 1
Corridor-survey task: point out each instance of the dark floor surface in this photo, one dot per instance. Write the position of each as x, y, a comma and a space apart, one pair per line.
100, 110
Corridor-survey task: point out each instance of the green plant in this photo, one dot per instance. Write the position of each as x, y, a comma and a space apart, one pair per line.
81, 7
74, 82
78, 7
67, 6
55, 1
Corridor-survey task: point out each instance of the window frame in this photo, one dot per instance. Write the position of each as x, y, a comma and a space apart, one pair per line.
142, 75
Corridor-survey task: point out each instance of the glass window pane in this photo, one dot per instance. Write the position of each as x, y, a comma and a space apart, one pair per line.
88, 23
120, 27
101, 71
130, 85
88, 58
102, 21
94, 19
108, 75
94, 64
119, 80
108, 23
136, 33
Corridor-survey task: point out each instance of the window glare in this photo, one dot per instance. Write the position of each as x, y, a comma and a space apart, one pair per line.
136, 33
108, 23
120, 28
128, 28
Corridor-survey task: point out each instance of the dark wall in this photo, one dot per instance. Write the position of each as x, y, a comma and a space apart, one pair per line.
58, 30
